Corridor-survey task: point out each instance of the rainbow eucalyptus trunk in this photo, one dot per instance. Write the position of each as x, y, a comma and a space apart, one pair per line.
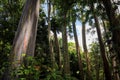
78, 52
24, 41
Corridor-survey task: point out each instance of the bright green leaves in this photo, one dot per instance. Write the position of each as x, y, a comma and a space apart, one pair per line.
28, 71
23, 54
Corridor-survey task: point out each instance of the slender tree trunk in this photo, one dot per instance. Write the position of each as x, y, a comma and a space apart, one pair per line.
66, 65
89, 77
115, 26
57, 50
49, 37
102, 47
24, 41
57, 46
106, 39
78, 52
102, 50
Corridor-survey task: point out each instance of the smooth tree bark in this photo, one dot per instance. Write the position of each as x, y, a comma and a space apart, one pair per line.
78, 52
86, 51
105, 29
106, 67
114, 26
24, 41
57, 46
66, 65
57, 50
49, 36
102, 51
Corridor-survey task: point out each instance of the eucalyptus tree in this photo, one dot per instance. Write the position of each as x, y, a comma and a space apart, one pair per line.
49, 38
24, 41
110, 54
78, 52
88, 76
65, 45
108, 10
56, 28
85, 46
63, 6
112, 57
73, 14
102, 47
114, 25
84, 17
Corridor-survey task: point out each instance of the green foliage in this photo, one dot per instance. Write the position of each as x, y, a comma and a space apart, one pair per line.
71, 48
39, 67
96, 60
54, 75
70, 78
73, 61
55, 25
28, 71
10, 12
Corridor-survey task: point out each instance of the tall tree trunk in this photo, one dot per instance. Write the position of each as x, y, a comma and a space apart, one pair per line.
66, 65
89, 77
24, 41
102, 47
113, 57
49, 37
57, 50
102, 51
78, 52
115, 26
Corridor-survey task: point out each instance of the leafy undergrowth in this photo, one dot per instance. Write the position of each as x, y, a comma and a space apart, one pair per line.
36, 71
